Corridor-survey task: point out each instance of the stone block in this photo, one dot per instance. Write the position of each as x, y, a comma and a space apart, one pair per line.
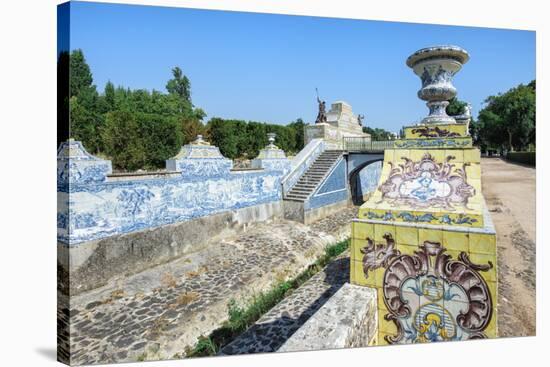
345, 320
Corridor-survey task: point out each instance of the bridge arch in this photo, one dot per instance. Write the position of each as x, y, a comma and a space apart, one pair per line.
364, 174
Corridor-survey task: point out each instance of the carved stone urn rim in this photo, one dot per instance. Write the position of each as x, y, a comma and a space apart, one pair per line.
441, 51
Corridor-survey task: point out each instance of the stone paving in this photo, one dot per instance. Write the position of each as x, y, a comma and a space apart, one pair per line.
160, 312
273, 329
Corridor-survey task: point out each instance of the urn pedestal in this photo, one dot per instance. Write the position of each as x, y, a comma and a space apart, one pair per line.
425, 239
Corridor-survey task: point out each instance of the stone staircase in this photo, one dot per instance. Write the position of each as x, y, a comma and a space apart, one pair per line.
315, 174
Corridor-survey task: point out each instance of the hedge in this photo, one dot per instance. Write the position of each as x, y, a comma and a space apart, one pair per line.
529, 158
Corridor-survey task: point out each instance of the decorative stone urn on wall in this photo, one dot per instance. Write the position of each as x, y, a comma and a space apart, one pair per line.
436, 67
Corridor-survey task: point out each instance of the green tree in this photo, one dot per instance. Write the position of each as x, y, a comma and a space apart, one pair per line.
122, 140
224, 134
508, 119
298, 127
378, 134
456, 107
180, 86
109, 94
80, 74
161, 138
85, 117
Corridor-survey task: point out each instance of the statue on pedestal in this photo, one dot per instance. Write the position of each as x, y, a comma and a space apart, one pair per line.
322, 114
360, 119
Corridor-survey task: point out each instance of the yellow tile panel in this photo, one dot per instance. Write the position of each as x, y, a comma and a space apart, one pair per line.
386, 327
389, 155
400, 154
484, 259
457, 153
432, 235
407, 249
473, 171
362, 230
406, 235
481, 243
382, 338
456, 240
382, 229
416, 155
472, 155
356, 246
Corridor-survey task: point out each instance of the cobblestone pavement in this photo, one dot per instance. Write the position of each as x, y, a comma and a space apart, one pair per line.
511, 198
274, 328
158, 313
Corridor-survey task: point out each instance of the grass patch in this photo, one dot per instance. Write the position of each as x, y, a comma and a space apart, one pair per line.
241, 317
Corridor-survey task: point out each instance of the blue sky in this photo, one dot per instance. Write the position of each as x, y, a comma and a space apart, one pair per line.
265, 67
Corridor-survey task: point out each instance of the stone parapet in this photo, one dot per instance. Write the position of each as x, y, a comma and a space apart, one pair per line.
347, 319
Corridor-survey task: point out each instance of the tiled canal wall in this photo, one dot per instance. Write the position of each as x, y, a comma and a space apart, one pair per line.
109, 225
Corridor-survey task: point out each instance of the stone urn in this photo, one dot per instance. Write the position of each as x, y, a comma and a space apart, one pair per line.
436, 67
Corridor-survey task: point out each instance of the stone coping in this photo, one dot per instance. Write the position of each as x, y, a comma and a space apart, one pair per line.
347, 319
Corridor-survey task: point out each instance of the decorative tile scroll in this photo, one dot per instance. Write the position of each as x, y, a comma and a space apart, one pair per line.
430, 296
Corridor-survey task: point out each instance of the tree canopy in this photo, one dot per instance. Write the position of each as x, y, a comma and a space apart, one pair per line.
140, 129
507, 122
378, 133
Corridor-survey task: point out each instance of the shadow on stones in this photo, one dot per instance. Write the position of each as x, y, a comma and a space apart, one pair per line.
268, 336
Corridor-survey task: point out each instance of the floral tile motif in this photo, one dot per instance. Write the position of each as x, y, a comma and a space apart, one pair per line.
434, 143
428, 218
427, 184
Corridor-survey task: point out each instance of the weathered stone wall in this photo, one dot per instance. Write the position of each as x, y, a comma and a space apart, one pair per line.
92, 264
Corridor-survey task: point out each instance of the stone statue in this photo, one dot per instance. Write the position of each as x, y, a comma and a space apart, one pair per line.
322, 114
360, 119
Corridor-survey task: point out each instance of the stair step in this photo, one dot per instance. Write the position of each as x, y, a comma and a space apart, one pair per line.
297, 197
322, 171
311, 179
318, 169
302, 189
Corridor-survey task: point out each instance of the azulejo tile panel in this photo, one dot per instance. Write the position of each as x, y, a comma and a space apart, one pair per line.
91, 207
426, 292
425, 225
334, 188
369, 177
426, 183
